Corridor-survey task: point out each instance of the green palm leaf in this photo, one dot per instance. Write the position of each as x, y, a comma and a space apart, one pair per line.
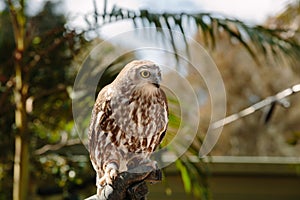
257, 40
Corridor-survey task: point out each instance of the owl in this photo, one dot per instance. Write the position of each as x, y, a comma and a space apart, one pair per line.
129, 120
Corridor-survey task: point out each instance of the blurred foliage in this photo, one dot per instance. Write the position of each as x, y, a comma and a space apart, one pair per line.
272, 131
48, 75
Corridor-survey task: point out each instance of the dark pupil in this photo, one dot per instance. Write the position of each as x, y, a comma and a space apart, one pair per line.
145, 73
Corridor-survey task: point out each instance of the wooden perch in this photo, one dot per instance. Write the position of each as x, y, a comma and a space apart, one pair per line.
129, 186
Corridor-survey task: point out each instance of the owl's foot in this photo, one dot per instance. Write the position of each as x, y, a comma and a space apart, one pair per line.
110, 174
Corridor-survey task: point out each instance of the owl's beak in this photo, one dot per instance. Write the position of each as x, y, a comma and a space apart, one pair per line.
156, 85
156, 82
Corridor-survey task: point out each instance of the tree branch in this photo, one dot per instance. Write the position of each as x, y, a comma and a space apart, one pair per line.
269, 101
63, 142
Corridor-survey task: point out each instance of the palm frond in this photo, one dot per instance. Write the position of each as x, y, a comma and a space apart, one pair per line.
256, 39
194, 176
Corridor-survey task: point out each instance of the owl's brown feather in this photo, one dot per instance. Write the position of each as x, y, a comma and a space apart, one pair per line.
129, 120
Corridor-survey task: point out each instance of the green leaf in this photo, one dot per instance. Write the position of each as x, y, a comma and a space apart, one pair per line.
185, 176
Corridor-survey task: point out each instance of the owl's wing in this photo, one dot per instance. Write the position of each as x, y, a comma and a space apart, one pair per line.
100, 111
162, 132
164, 99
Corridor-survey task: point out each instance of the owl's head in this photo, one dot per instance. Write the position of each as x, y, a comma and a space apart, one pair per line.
141, 73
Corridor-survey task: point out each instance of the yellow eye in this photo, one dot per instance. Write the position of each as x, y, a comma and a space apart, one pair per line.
145, 73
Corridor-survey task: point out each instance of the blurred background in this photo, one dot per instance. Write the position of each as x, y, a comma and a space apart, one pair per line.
255, 46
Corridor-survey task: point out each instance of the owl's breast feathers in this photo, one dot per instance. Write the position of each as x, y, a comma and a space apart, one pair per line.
134, 122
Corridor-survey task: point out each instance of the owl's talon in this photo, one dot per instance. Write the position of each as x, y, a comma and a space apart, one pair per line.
113, 173
110, 174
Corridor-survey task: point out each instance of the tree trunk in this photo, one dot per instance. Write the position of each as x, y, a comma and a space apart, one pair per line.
21, 159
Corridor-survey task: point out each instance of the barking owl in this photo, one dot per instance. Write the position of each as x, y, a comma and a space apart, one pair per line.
129, 120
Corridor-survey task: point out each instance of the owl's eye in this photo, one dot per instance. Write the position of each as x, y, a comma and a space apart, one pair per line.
145, 73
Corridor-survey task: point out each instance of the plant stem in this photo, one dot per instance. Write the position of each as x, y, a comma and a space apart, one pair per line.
21, 159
